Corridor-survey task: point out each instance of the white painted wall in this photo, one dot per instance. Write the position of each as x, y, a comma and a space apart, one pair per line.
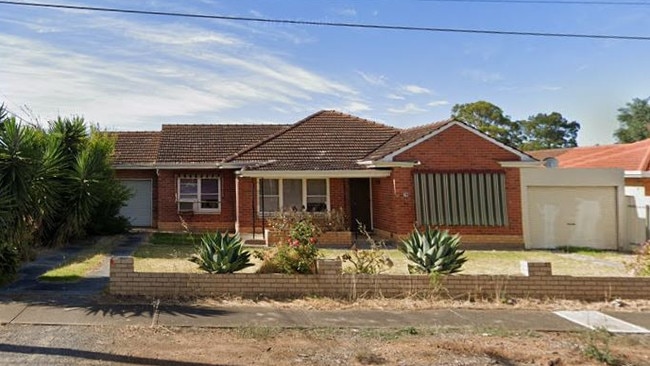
637, 214
597, 180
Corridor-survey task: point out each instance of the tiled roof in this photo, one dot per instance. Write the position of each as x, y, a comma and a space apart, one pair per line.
548, 153
136, 147
327, 140
209, 143
633, 156
404, 138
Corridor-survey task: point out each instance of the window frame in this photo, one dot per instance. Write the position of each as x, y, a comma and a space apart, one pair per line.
281, 195
196, 202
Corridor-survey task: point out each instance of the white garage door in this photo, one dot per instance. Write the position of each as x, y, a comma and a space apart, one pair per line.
575, 216
138, 208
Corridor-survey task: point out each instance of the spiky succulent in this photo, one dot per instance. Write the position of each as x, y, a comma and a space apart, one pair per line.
221, 253
433, 251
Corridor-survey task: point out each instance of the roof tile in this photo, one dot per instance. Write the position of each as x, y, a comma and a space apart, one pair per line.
633, 156
209, 143
327, 140
136, 147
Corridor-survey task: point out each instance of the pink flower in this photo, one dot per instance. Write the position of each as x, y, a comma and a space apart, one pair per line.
312, 240
295, 243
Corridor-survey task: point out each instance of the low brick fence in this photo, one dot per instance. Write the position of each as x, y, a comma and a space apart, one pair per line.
536, 281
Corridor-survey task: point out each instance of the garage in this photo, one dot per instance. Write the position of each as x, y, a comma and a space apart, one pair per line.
138, 208
580, 216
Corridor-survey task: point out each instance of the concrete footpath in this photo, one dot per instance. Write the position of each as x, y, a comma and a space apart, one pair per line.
79, 312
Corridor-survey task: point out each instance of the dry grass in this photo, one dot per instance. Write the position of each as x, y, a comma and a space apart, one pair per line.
86, 261
173, 258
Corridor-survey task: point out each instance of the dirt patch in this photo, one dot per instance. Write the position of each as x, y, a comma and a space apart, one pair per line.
85, 345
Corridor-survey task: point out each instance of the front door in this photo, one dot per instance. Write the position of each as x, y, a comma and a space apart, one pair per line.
360, 203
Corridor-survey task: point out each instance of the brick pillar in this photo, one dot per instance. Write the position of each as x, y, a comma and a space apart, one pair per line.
536, 269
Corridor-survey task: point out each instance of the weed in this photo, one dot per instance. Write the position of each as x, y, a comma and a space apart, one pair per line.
597, 347
641, 264
373, 261
367, 357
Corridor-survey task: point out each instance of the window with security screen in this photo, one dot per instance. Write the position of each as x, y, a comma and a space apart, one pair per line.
461, 199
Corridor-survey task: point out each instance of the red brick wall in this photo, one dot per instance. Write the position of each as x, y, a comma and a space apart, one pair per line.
393, 208
144, 174
639, 182
455, 149
247, 205
339, 194
170, 219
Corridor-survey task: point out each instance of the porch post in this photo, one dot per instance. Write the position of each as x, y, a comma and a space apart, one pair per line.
253, 205
262, 207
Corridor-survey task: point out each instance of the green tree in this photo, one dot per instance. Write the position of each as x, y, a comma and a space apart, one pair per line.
489, 119
55, 183
549, 131
634, 121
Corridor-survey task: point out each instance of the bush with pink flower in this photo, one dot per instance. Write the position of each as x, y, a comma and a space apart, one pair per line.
297, 254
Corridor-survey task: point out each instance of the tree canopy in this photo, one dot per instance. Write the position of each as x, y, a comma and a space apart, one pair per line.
549, 131
634, 121
489, 119
56, 184
540, 131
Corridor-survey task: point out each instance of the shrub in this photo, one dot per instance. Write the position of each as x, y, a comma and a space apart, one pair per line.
371, 261
221, 253
334, 220
9, 262
641, 264
298, 254
433, 251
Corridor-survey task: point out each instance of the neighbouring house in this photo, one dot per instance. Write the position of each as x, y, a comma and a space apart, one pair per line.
632, 158
231, 177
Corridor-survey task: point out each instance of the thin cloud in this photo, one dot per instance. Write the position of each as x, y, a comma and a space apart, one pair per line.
372, 79
395, 97
481, 76
409, 108
355, 106
437, 103
415, 89
347, 12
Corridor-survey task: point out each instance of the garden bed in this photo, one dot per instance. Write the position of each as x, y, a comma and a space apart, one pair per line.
170, 253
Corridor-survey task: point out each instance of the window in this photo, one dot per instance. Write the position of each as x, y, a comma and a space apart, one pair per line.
466, 199
271, 197
293, 194
199, 194
316, 195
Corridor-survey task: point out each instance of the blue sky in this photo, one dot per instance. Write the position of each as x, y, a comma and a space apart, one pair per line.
134, 72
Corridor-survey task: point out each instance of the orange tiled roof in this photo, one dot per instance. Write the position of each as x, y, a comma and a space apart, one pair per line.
209, 143
326, 140
136, 147
633, 156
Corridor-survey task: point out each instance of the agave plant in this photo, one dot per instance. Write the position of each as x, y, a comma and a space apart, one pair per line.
433, 251
221, 253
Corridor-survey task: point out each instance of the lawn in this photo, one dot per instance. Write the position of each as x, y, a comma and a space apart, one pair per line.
77, 268
169, 253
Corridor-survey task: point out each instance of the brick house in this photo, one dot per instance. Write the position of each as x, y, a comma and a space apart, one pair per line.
230, 177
